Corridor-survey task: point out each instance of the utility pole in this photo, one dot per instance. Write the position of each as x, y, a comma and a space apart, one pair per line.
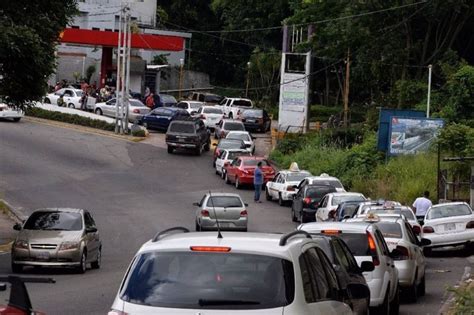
248, 79
123, 72
429, 92
181, 67
346, 88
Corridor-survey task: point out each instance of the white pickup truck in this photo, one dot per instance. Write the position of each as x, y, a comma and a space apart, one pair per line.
233, 107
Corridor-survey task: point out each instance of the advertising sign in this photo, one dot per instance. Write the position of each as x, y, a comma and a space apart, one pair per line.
293, 92
412, 135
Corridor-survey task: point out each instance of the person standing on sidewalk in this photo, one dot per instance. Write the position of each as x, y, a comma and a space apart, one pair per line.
258, 181
421, 205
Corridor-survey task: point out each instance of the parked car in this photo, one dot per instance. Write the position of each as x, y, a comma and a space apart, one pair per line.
364, 207
164, 100
211, 115
327, 208
71, 98
346, 210
256, 119
449, 224
208, 98
283, 186
349, 274
251, 273
189, 134
227, 144
404, 211
245, 137
323, 179
136, 109
366, 242
306, 201
240, 171
191, 106
233, 107
160, 118
59, 237
227, 156
8, 112
226, 125
221, 210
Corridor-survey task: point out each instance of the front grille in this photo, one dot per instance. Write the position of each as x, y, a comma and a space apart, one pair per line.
44, 246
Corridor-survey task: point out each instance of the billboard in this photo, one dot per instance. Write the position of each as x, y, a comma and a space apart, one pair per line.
412, 135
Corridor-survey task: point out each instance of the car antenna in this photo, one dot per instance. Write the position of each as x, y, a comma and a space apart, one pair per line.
219, 235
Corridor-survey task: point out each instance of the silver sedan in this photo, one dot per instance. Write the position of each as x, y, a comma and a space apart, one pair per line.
221, 210
135, 111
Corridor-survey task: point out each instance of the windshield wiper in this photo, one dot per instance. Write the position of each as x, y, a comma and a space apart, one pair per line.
204, 302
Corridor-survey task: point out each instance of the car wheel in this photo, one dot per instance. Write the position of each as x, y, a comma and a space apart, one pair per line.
427, 251
207, 147
47, 101
96, 264
281, 202
71, 105
237, 183
222, 174
412, 292
383, 309
98, 111
227, 179
82, 263
394, 307
198, 227
422, 287
198, 150
16, 119
231, 116
16, 268
170, 149
145, 125
267, 195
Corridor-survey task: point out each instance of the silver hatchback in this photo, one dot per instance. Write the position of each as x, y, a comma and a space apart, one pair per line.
226, 209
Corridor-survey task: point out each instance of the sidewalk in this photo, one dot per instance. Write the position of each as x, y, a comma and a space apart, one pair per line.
7, 233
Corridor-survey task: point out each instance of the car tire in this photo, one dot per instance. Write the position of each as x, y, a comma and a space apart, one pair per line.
422, 287
267, 195
145, 125
222, 174
281, 202
394, 307
96, 264
237, 183
198, 227
198, 151
71, 105
16, 119
412, 292
47, 101
170, 149
427, 251
82, 263
383, 309
16, 268
231, 115
227, 179
98, 111
207, 146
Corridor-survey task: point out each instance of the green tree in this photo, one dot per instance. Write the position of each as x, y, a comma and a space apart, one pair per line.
29, 32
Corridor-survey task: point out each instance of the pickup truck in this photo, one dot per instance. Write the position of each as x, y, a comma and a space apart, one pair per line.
233, 107
188, 133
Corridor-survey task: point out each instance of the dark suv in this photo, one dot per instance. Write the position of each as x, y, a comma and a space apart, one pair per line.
306, 202
189, 134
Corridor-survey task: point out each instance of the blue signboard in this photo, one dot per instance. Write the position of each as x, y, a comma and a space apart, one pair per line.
385, 116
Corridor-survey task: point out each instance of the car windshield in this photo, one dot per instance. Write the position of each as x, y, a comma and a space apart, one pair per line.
242, 103
54, 220
357, 243
258, 113
183, 128
296, 177
446, 211
210, 110
254, 162
336, 200
233, 155
332, 182
206, 280
318, 192
390, 229
348, 210
241, 136
224, 202
212, 98
136, 103
230, 144
233, 126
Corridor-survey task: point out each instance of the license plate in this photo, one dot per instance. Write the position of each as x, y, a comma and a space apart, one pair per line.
181, 140
250, 120
450, 227
42, 255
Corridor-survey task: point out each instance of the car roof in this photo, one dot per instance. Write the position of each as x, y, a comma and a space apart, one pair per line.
450, 203
253, 157
293, 172
238, 132
232, 120
221, 194
352, 227
74, 210
321, 177
335, 194
236, 150
229, 140
238, 98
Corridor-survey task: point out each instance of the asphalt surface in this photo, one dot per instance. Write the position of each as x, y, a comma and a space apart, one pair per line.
133, 190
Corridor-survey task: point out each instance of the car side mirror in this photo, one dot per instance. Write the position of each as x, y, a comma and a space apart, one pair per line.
91, 230
358, 291
425, 242
17, 227
246, 204
196, 204
367, 266
395, 253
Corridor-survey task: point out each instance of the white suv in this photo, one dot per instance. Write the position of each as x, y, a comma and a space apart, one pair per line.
323, 179
366, 241
253, 273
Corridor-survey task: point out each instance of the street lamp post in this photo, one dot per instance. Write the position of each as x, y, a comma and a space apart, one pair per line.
248, 79
181, 66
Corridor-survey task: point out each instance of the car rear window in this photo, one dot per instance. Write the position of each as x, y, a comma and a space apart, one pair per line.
55, 221
243, 103
296, 177
230, 144
332, 182
445, 211
241, 136
357, 243
336, 200
180, 127
318, 192
258, 113
167, 98
233, 155
195, 105
390, 229
210, 110
233, 126
224, 202
253, 162
204, 280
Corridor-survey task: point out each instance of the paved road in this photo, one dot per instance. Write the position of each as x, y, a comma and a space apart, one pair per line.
133, 190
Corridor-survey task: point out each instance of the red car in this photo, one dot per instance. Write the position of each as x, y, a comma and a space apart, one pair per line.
241, 170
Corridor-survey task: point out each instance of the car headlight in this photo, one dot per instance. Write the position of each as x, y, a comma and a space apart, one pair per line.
69, 245
21, 244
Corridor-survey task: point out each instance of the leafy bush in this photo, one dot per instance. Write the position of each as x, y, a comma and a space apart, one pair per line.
463, 299
139, 133
70, 119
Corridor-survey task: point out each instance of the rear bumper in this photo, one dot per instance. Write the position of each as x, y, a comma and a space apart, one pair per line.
10, 114
253, 126
207, 223
453, 239
182, 145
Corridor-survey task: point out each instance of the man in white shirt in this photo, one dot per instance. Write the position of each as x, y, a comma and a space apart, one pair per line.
421, 205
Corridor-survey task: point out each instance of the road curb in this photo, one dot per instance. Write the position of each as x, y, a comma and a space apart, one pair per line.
15, 214
450, 299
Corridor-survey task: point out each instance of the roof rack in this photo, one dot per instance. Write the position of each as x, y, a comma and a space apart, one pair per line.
165, 232
284, 238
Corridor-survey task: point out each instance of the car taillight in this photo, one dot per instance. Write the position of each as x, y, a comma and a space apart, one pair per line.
428, 229
243, 119
210, 249
202, 117
136, 111
307, 200
290, 188
243, 213
204, 213
373, 249
116, 312
416, 229
404, 253
470, 225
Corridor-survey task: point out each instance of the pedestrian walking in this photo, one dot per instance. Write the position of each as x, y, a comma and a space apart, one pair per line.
150, 101
258, 181
421, 205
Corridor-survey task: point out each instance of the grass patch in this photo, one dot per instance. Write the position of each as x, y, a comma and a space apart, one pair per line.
3, 208
463, 298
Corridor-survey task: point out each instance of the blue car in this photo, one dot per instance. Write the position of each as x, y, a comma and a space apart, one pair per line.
161, 117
